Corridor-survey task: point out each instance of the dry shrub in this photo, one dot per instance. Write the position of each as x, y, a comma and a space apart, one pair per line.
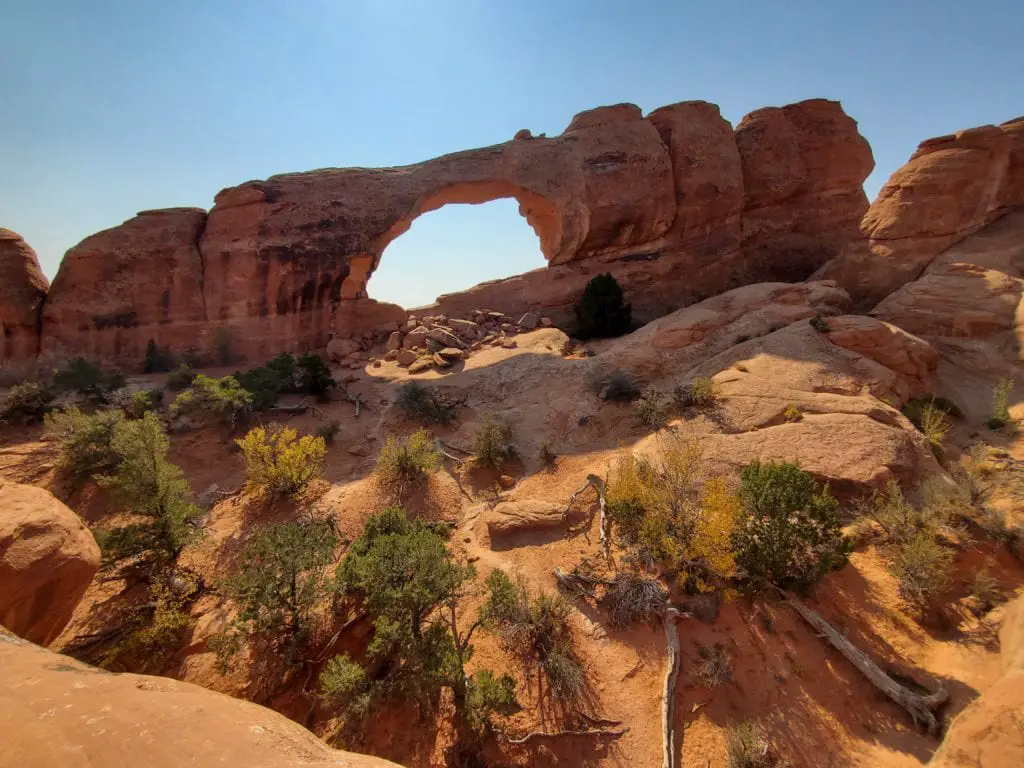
653, 408
633, 599
672, 516
748, 747
715, 668
922, 566
494, 442
406, 463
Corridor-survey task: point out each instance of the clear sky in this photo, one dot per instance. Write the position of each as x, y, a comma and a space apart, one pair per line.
115, 106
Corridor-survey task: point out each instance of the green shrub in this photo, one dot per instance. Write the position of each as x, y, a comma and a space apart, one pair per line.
494, 442
329, 431
266, 383
86, 441
281, 576
223, 399
699, 393
538, 631
223, 345
748, 747
1001, 404
487, 696
986, 592
342, 681
819, 323
405, 464
617, 385
280, 463
792, 414
81, 376
792, 534
653, 408
922, 568
409, 582
313, 375
427, 405
602, 311
547, 455
150, 487
900, 520
143, 401
157, 360
180, 378
26, 403
915, 405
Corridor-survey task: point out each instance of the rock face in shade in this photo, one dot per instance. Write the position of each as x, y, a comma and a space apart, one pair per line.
120, 288
47, 559
675, 204
55, 710
22, 291
951, 187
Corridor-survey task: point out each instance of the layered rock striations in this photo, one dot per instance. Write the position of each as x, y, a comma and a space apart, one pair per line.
677, 205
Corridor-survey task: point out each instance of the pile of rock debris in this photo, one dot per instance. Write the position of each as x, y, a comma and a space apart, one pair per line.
433, 342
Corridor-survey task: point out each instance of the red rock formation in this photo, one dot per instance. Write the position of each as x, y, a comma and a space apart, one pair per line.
951, 187
47, 559
57, 711
22, 290
120, 288
804, 167
663, 202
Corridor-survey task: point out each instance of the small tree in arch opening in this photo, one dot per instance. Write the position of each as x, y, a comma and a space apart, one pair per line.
602, 310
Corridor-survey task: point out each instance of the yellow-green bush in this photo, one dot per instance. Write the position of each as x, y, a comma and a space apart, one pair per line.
279, 462
405, 463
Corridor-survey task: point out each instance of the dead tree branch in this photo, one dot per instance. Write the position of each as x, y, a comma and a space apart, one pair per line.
579, 584
921, 708
599, 486
300, 407
441, 449
668, 698
598, 732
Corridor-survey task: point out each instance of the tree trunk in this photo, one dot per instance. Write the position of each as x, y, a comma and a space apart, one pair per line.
921, 708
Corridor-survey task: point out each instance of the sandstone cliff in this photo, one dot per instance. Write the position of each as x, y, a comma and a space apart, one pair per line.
22, 290
676, 204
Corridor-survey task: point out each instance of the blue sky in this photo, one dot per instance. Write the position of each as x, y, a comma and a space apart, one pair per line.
117, 106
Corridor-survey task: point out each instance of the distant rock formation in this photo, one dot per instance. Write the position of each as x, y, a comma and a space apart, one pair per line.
676, 204
951, 187
22, 291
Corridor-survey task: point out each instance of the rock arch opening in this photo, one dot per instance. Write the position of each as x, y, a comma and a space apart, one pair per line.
453, 246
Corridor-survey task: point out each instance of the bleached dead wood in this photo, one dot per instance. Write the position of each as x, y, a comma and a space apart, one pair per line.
921, 708
595, 482
300, 407
668, 698
608, 732
578, 583
441, 449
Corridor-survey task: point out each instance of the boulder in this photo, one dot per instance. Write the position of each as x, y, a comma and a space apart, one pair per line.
512, 517
417, 337
451, 353
339, 349
406, 357
115, 720
23, 289
466, 328
913, 358
421, 364
529, 321
394, 341
445, 337
47, 559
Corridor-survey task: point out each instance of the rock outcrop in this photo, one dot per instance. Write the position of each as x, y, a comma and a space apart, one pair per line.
676, 204
22, 291
120, 288
951, 187
990, 731
57, 711
47, 559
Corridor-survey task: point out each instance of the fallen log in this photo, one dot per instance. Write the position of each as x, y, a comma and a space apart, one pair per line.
578, 583
668, 698
920, 708
595, 482
300, 407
